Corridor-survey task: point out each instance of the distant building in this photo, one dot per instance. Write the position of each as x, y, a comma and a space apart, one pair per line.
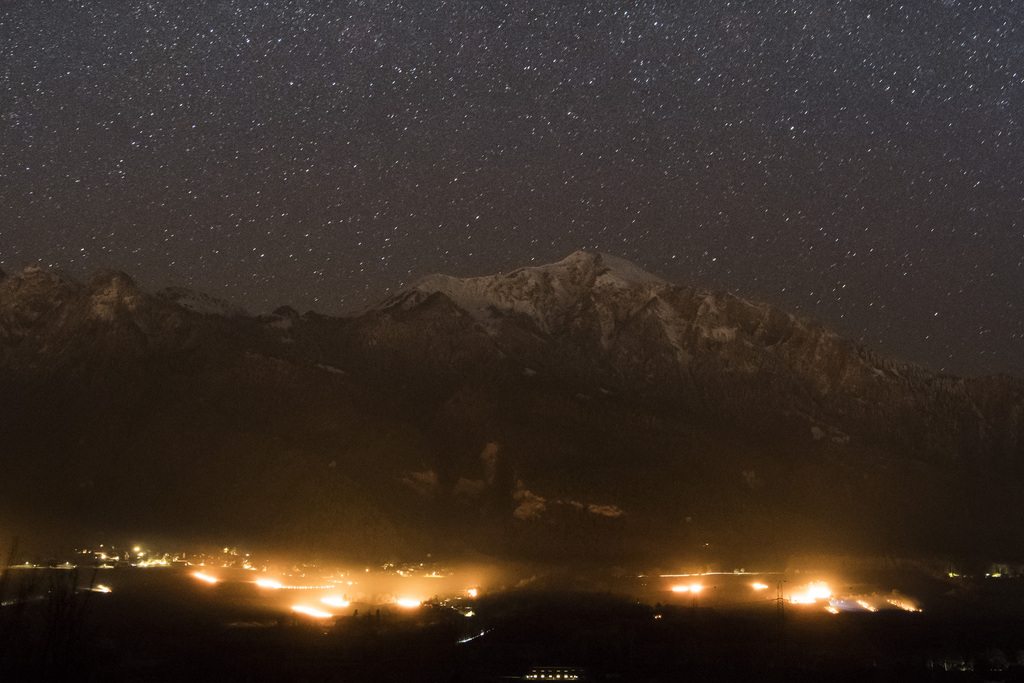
556, 673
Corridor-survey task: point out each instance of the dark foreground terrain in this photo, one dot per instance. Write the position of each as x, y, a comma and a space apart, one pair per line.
165, 626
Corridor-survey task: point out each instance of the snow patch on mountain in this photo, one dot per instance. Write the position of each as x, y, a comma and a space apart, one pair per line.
605, 510
529, 505
469, 490
723, 333
489, 461
424, 483
109, 290
622, 273
197, 302
545, 294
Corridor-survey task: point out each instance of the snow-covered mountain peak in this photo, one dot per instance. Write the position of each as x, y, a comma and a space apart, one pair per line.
609, 270
545, 293
197, 302
39, 277
628, 316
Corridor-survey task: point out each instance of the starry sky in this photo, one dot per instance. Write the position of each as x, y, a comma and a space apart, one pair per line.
856, 161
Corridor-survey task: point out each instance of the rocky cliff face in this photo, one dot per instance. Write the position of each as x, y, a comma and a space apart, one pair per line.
29, 296
584, 407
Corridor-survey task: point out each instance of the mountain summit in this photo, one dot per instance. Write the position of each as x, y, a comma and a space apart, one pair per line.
547, 294
581, 409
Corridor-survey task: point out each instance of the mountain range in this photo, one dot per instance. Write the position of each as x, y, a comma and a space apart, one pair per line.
582, 410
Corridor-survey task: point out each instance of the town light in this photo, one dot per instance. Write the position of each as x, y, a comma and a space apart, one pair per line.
312, 612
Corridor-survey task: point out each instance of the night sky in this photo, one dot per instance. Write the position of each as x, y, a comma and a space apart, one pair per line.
860, 162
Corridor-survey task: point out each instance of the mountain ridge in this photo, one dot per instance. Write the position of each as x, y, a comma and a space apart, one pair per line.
583, 408
676, 336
